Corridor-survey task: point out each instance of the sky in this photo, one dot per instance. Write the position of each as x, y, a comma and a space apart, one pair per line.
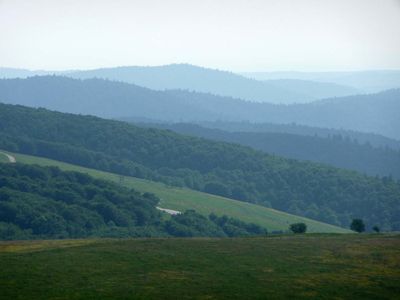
236, 35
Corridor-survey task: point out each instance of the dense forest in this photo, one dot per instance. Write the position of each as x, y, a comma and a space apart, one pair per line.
304, 188
376, 113
338, 151
45, 202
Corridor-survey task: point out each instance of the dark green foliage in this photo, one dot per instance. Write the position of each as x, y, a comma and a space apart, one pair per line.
376, 229
324, 193
216, 189
357, 225
234, 227
191, 224
44, 202
298, 228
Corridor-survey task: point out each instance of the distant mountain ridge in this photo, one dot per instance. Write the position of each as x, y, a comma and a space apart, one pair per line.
21, 73
222, 83
376, 113
205, 80
369, 81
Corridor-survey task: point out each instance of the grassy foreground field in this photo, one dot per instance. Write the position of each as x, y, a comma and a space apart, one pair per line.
182, 199
287, 267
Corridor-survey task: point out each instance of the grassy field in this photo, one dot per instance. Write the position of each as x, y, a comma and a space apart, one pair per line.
286, 267
182, 199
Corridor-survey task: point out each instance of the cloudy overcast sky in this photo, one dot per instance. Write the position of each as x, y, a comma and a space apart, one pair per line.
237, 35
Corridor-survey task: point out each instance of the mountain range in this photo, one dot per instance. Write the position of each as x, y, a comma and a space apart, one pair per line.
374, 113
205, 80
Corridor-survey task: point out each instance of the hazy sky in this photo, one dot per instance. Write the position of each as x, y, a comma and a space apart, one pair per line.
237, 35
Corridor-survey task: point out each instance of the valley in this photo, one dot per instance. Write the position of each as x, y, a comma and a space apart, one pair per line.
202, 150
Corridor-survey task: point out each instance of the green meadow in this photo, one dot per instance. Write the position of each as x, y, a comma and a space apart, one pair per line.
312, 266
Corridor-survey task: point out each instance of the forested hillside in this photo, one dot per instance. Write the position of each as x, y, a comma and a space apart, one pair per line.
45, 202
375, 113
335, 150
317, 191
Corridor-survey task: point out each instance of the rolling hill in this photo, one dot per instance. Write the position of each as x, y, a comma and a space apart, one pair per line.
376, 113
182, 199
317, 191
43, 202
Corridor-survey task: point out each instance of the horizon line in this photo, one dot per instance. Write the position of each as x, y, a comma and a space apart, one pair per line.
328, 70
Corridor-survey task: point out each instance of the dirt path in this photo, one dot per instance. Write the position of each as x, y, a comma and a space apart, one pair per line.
11, 158
169, 211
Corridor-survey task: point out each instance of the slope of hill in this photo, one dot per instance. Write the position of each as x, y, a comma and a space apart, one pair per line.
182, 199
294, 267
303, 188
371, 113
336, 150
